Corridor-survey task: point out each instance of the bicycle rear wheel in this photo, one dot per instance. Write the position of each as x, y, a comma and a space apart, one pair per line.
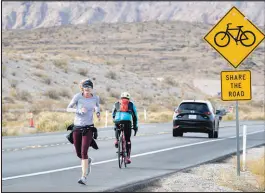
124, 152
120, 152
221, 39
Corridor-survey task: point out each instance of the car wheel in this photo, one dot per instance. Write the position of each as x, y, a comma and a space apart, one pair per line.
215, 134
177, 133
211, 134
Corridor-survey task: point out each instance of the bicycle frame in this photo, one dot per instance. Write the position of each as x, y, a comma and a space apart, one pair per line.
240, 37
239, 30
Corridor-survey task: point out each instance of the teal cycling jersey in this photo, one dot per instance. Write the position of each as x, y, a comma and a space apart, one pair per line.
131, 115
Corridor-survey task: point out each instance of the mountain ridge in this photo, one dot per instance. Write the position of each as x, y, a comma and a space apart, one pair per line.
30, 15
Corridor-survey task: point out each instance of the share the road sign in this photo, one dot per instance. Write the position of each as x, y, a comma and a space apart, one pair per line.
234, 37
236, 85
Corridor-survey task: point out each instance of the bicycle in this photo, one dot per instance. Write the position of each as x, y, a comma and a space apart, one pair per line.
237, 39
122, 153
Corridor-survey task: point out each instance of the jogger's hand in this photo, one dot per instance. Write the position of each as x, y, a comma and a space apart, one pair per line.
98, 116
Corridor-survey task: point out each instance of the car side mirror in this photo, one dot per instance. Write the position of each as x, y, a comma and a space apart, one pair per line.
218, 112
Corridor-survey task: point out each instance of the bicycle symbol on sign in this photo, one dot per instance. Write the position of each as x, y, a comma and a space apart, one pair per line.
223, 37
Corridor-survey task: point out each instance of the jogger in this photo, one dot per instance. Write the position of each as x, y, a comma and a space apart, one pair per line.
86, 103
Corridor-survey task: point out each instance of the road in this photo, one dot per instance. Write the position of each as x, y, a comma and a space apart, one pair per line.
47, 162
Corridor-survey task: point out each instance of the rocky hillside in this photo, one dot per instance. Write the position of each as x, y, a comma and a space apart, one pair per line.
43, 67
27, 14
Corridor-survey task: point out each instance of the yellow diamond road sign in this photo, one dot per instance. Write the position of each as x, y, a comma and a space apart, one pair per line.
236, 85
234, 37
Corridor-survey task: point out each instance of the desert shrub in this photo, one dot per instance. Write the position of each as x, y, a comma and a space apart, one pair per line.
154, 107
14, 83
47, 80
52, 94
112, 75
83, 71
24, 95
39, 66
65, 93
62, 64
39, 74
114, 93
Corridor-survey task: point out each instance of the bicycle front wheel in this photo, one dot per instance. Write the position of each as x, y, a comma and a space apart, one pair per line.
247, 38
222, 39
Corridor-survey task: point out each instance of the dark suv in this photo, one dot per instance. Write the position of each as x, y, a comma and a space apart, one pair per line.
196, 116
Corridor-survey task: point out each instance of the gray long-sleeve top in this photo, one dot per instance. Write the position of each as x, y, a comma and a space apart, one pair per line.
91, 104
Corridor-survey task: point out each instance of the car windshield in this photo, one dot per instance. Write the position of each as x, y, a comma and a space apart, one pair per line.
199, 107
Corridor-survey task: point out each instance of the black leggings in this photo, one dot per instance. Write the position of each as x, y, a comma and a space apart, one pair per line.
127, 134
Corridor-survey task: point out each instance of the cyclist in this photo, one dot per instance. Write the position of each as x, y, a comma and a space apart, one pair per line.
124, 111
84, 130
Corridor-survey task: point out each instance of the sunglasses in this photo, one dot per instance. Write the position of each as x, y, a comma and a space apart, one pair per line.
87, 88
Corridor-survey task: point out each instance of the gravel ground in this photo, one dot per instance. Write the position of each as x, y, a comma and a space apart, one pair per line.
217, 177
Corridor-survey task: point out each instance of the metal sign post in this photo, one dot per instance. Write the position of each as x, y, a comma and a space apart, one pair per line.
237, 140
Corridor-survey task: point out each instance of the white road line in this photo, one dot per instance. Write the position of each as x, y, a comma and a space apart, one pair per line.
111, 160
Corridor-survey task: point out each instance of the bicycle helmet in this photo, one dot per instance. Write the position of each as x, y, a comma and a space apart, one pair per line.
87, 84
125, 95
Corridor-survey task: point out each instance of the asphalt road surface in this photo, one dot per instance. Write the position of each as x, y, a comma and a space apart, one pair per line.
47, 162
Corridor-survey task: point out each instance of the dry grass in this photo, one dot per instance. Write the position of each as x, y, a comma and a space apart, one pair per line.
8, 100
53, 121
83, 71
112, 75
224, 173
11, 132
245, 116
62, 64
39, 74
155, 114
154, 108
114, 93
47, 80
253, 179
252, 116
170, 81
56, 121
13, 93
52, 94
39, 66
257, 168
14, 83
4, 71
65, 93
160, 117
24, 95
